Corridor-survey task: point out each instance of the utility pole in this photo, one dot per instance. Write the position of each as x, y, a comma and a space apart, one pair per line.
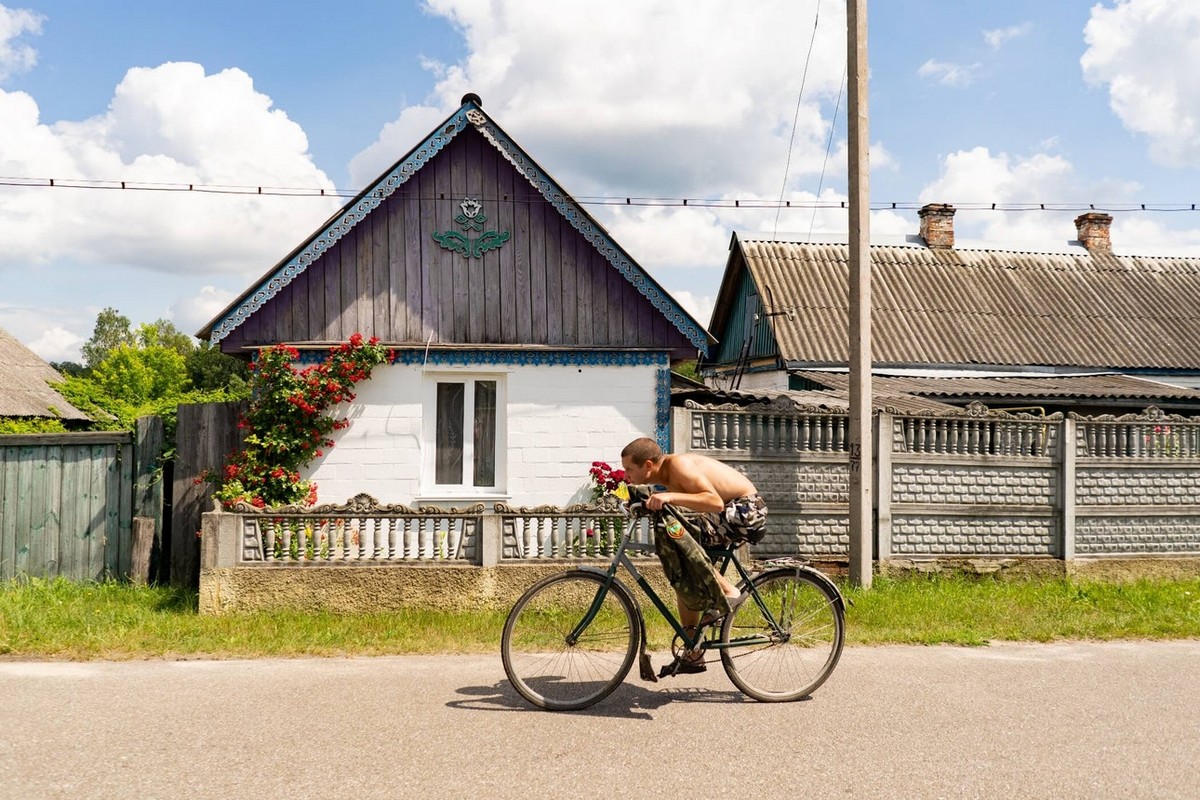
861, 407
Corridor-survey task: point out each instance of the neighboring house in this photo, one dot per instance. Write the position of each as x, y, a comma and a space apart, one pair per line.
1081, 329
529, 343
25, 391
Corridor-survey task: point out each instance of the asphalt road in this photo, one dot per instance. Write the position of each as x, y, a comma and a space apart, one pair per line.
1085, 720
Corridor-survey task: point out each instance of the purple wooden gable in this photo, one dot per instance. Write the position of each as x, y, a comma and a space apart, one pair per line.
464, 250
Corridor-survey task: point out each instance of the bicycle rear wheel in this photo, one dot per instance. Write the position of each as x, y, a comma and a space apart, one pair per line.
549, 668
790, 641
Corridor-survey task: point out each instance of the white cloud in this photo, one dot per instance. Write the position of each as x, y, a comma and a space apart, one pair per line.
699, 306
171, 124
168, 125
57, 344
998, 37
193, 312
706, 117
14, 56
949, 74
1144, 52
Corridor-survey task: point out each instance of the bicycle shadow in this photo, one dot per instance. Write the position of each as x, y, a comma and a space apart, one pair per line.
629, 701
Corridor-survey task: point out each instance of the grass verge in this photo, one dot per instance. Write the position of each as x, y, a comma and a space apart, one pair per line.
63, 620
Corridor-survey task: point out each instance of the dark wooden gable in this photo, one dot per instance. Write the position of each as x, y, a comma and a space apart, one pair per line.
548, 285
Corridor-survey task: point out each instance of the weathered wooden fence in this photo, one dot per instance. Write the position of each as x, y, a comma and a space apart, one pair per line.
206, 434
68, 503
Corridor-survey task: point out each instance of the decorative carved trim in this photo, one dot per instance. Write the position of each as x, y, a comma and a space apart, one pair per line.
1149, 414
606, 507
361, 505
522, 358
776, 405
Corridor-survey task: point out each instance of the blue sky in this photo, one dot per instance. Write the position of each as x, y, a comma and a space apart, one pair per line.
971, 103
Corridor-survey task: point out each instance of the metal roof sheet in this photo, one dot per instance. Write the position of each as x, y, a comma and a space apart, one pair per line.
963, 307
1063, 386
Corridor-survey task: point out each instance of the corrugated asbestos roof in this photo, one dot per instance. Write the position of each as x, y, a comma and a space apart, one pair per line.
1063, 386
835, 399
24, 391
962, 307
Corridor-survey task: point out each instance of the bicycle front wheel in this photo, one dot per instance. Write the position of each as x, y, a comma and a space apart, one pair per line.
783, 644
552, 659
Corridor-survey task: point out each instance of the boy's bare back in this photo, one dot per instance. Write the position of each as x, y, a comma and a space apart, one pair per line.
682, 472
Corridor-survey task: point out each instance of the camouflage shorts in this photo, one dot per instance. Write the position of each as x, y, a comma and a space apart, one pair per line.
742, 520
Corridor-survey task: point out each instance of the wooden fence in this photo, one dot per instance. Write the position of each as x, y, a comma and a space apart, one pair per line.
68, 503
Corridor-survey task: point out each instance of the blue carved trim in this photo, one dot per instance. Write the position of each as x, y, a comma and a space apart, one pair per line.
534, 358
662, 411
345, 222
385, 186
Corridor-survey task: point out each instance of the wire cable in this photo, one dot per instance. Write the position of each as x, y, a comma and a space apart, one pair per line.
795, 118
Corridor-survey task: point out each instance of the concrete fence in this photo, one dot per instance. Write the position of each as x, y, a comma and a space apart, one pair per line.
976, 484
347, 556
990, 487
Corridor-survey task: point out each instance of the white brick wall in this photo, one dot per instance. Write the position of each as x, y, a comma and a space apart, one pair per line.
559, 419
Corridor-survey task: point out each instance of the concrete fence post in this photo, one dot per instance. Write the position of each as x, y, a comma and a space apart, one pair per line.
681, 429
491, 540
1066, 489
884, 423
219, 534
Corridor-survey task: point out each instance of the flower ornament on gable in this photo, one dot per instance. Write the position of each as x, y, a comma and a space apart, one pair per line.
472, 218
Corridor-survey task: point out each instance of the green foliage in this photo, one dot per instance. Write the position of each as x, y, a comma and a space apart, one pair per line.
16, 426
290, 419
147, 373
137, 376
112, 331
68, 367
688, 369
209, 369
163, 333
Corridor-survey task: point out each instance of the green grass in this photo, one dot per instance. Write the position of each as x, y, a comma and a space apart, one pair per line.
63, 620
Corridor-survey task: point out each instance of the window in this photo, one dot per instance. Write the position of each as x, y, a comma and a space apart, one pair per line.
466, 431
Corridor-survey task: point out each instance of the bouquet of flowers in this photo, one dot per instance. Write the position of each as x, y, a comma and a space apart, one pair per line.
607, 481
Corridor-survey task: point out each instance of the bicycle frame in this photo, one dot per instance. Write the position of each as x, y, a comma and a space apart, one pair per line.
723, 556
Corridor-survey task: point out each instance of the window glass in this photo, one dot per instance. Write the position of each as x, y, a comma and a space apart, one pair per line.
449, 459
484, 440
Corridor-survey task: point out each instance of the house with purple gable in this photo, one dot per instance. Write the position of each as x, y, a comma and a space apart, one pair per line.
529, 343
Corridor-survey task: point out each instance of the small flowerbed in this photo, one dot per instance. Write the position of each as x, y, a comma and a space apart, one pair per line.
291, 417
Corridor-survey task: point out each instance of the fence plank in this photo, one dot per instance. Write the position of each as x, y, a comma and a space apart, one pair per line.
207, 433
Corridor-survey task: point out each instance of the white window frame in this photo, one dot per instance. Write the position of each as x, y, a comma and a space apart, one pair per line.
431, 490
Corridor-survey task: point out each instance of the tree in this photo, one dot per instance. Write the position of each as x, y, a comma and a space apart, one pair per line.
163, 333
112, 331
210, 370
142, 375
68, 367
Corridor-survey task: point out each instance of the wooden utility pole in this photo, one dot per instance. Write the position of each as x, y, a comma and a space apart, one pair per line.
861, 449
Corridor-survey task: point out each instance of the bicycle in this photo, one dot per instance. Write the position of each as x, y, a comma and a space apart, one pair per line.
570, 639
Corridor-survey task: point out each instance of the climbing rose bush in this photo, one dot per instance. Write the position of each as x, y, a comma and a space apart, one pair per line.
291, 417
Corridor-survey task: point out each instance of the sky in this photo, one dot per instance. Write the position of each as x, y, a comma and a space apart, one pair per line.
1015, 105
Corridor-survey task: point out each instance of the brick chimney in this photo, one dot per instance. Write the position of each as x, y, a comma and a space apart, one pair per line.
937, 225
1093, 231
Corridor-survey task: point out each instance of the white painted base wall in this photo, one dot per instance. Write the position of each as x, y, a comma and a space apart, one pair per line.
555, 421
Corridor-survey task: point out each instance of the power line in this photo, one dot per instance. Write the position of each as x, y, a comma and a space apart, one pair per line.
592, 200
796, 116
